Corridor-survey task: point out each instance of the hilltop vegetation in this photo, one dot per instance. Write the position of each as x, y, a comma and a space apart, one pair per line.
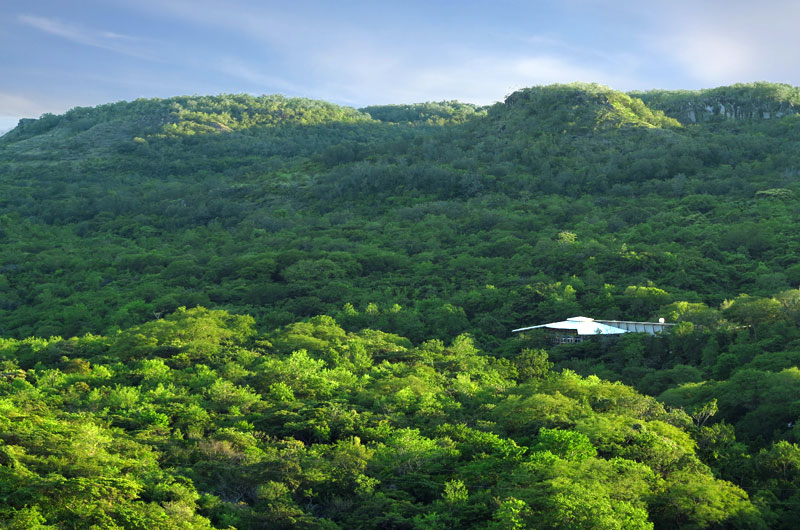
752, 101
186, 116
425, 232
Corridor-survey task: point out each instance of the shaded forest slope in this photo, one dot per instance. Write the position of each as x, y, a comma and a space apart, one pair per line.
425, 232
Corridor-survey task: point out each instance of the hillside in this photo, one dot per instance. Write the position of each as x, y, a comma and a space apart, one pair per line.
138, 211
194, 421
577, 107
425, 232
751, 101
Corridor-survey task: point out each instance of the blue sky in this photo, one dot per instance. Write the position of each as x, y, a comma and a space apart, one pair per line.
58, 54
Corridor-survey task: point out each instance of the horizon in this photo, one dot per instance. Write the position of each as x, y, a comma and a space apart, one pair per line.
7, 126
361, 54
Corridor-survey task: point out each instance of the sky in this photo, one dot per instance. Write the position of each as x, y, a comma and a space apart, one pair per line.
59, 54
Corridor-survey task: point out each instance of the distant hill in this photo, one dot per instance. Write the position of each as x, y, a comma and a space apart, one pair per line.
431, 113
420, 205
751, 101
362, 270
92, 130
577, 107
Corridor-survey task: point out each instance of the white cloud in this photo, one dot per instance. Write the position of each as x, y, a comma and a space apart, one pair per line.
718, 42
341, 55
235, 67
260, 22
373, 75
106, 40
7, 123
714, 58
55, 28
350, 62
112, 35
12, 105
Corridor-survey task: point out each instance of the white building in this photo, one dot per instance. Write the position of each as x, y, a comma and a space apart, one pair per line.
578, 329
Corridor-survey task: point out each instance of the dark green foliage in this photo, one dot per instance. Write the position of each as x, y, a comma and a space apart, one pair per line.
427, 232
751, 101
441, 113
562, 200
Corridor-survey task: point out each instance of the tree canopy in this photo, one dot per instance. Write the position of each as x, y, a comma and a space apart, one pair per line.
260, 311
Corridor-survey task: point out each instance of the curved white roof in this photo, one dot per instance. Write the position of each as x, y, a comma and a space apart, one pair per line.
582, 325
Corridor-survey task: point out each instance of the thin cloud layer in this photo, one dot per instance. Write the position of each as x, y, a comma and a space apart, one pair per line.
10, 103
361, 53
481, 78
107, 40
716, 43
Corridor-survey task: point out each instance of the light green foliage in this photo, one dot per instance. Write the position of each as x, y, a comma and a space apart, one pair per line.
560, 493
280, 391
742, 101
225, 395
406, 451
698, 501
154, 371
455, 492
645, 300
576, 506
304, 375
509, 516
525, 416
569, 445
696, 313
440, 437
28, 519
532, 364
782, 459
438, 113
427, 232
751, 311
472, 442
581, 107
197, 333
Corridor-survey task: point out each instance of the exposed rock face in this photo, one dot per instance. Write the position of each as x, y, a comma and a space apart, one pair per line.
751, 101
703, 111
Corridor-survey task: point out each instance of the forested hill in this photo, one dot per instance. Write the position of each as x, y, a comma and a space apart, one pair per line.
441, 223
562, 199
754, 101
182, 116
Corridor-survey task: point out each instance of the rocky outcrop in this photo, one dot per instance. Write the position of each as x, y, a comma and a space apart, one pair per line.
703, 111
752, 101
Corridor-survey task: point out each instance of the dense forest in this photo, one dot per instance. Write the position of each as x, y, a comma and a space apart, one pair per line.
264, 312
